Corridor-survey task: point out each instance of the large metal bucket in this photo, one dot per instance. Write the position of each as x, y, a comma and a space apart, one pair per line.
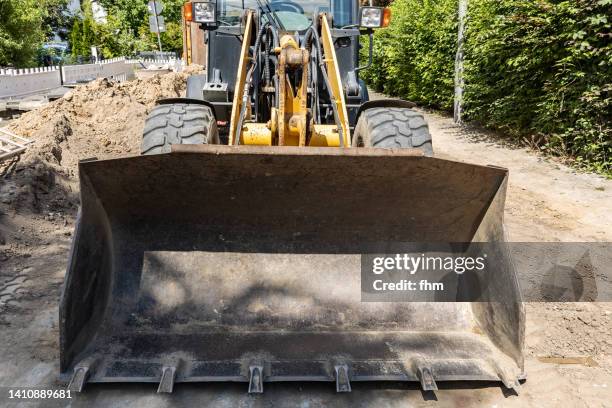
217, 263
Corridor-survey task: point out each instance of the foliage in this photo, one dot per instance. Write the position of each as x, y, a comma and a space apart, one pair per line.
21, 32
128, 14
117, 38
75, 37
89, 30
85, 32
130, 20
56, 18
26, 24
126, 30
173, 10
414, 57
172, 38
543, 70
540, 70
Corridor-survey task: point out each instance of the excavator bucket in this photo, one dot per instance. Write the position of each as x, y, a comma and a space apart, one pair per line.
235, 263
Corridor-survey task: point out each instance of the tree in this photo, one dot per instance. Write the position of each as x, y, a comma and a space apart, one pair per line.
131, 20
172, 38
56, 18
75, 37
130, 13
85, 32
21, 32
173, 10
118, 39
414, 57
88, 35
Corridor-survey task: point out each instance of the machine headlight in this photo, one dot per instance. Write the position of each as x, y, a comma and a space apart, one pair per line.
204, 12
374, 17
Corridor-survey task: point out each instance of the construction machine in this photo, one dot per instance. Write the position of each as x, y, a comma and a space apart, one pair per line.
230, 249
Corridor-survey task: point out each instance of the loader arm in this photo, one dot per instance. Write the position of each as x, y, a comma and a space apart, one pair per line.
240, 99
335, 80
291, 120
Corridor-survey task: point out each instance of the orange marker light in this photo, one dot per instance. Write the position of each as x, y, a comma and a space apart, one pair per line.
188, 11
386, 20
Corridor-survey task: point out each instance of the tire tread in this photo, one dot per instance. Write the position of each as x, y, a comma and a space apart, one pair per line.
178, 124
393, 128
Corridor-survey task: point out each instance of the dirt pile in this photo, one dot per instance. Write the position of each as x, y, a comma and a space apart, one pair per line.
100, 119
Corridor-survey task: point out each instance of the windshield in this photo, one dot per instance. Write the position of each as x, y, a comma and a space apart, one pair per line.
229, 11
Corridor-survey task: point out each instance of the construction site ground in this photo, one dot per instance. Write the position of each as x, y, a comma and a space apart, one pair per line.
568, 361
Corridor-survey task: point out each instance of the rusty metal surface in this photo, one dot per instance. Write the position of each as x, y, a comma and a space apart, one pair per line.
347, 196
214, 259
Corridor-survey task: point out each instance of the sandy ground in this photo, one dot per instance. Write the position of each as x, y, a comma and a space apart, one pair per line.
547, 201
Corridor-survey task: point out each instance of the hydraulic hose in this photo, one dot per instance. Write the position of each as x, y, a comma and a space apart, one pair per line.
248, 81
267, 51
313, 78
317, 43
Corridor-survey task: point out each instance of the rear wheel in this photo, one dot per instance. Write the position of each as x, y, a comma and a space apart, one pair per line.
393, 128
178, 124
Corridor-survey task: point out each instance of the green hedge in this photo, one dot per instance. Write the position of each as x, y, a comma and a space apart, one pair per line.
540, 70
414, 57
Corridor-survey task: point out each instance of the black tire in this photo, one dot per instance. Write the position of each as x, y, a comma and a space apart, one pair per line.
393, 128
178, 124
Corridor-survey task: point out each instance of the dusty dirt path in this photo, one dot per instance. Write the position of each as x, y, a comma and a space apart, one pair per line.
546, 202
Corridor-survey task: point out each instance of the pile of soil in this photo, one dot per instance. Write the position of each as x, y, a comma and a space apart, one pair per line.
100, 119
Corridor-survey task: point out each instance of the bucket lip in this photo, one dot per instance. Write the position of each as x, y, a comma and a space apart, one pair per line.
409, 153
295, 150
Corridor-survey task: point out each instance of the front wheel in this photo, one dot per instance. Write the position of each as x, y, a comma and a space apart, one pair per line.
178, 123
393, 128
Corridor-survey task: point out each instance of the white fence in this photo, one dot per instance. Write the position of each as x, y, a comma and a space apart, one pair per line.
176, 65
115, 68
19, 83
23, 82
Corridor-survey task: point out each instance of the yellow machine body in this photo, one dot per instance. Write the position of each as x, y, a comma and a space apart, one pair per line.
291, 123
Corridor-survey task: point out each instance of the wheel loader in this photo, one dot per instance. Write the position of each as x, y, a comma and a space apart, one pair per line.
229, 251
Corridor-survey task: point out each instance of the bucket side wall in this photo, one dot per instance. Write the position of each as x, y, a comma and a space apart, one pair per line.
88, 280
502, 315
